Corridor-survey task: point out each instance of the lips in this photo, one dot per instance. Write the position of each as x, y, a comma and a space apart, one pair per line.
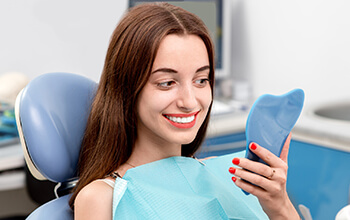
182, 120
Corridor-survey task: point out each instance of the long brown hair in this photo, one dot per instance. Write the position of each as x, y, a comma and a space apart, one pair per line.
111, 128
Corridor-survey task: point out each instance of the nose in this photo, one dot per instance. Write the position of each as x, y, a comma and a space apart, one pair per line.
187, 100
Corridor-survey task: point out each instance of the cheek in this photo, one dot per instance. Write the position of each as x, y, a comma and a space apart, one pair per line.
206, 98
159, 102
153, 103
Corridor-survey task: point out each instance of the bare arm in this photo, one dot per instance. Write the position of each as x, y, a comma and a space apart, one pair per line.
94, 201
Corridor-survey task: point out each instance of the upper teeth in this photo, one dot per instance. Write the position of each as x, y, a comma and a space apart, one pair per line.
181, 119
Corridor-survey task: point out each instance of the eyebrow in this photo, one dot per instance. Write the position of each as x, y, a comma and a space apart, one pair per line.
169, 70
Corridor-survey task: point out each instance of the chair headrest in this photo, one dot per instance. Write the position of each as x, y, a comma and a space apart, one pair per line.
52, 112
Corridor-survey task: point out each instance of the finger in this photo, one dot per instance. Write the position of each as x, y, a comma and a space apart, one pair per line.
285, 149
266, 155
254, 179
252, 166
249, 188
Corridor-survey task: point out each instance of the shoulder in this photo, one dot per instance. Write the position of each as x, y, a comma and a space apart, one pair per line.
94, 201
94, 188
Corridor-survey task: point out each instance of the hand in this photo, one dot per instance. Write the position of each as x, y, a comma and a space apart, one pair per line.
267, 182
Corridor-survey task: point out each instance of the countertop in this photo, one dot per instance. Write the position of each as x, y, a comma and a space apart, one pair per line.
322, 131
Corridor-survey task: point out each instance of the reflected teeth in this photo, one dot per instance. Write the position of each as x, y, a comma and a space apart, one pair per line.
181, 119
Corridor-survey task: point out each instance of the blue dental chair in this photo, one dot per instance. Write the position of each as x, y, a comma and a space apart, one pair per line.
51, 114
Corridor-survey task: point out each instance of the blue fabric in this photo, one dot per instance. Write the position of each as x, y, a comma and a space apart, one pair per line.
183, 188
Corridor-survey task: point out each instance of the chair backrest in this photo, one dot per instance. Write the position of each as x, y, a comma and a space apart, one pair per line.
51, 113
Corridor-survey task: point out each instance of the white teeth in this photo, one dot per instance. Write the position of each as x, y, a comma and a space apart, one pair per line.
181, 119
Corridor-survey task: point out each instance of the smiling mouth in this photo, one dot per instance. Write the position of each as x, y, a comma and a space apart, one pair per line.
182, 120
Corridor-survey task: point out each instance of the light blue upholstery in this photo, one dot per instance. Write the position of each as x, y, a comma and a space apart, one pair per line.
52, 112
57, 209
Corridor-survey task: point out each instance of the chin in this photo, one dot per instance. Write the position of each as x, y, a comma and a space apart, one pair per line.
185, 143
187, 140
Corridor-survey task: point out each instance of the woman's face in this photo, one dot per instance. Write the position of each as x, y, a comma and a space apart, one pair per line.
174, 103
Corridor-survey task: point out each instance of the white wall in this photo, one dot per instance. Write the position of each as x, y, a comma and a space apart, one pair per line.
40, 36
287, 44
299, 43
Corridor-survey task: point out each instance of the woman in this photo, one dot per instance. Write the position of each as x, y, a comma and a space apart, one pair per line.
153, 103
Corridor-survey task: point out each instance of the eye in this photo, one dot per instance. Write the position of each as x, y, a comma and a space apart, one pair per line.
201, 82
166, 85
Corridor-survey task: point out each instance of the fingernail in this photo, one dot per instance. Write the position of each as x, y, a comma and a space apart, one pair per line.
232, 170
234, 179
235, 161
253, 146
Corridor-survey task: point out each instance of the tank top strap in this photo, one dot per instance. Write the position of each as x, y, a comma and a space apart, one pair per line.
109, 182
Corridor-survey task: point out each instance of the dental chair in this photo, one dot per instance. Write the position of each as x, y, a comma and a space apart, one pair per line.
51, 114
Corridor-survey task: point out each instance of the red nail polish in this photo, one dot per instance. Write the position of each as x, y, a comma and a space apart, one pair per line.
232, 170
253, 146
235, 161
234, 179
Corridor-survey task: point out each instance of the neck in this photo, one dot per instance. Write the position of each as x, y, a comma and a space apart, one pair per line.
146, 151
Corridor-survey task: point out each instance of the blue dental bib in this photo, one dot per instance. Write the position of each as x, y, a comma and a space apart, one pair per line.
183, 188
